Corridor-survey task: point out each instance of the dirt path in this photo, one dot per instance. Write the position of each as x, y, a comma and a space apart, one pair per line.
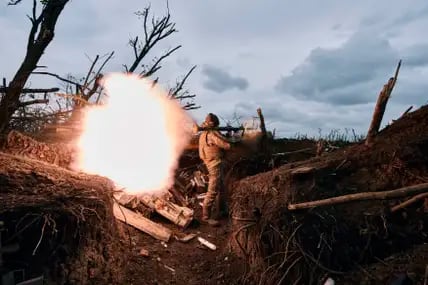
183, 263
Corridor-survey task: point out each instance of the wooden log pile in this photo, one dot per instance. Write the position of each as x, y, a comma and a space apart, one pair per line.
180, 216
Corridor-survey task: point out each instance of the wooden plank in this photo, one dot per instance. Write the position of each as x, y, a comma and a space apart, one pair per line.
32, 90
139, 222
181, 216
129, 201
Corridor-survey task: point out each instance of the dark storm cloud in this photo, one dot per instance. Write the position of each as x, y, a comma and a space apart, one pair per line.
219, 80
351, 74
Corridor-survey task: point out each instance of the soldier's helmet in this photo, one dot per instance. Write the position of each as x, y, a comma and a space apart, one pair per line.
211, 120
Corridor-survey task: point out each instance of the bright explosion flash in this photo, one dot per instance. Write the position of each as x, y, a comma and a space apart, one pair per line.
135, 139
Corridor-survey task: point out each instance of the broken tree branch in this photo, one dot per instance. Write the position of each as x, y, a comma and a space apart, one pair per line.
96, 76
56, 76
156, 66
409, 202
406, 112
293, 152
380, 107
91, 68
397, 193
173, 92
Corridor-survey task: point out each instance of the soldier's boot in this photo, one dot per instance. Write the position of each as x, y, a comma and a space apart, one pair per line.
222, 207
206, 217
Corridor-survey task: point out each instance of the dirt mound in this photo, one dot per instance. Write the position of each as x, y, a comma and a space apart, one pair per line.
60, 223
304, 246
60, 154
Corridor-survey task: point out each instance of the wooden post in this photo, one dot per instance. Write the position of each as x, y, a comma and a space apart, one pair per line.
380, 107
262, 121
320, 147
263, 141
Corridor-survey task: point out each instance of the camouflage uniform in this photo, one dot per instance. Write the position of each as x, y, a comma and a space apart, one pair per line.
211, 150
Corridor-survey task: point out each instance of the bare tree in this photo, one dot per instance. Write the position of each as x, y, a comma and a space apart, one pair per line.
41, 34
85, 89
156, 30
17, 113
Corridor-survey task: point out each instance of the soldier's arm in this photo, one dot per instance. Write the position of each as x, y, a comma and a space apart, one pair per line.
219, 140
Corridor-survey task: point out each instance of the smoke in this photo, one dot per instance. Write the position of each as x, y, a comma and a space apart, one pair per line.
136, 138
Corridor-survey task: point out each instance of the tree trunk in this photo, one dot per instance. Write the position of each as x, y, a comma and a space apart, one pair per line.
35, 49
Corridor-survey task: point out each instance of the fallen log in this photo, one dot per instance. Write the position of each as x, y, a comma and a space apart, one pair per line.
181, 216
139, 222
397, 193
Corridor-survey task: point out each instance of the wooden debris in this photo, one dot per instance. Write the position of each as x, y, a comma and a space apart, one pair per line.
139, 222
129, 201
144, 252
409, 202
169, 268
133, 203
181, 216
178, 196
185, 238
302, 170
201, 196
207, 243
397, 193
308, 149
380, 107
406, 112
198, 179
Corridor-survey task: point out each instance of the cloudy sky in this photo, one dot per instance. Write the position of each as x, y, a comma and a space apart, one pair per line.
308, 64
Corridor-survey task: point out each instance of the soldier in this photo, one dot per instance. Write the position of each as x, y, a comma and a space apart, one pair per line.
212, 145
